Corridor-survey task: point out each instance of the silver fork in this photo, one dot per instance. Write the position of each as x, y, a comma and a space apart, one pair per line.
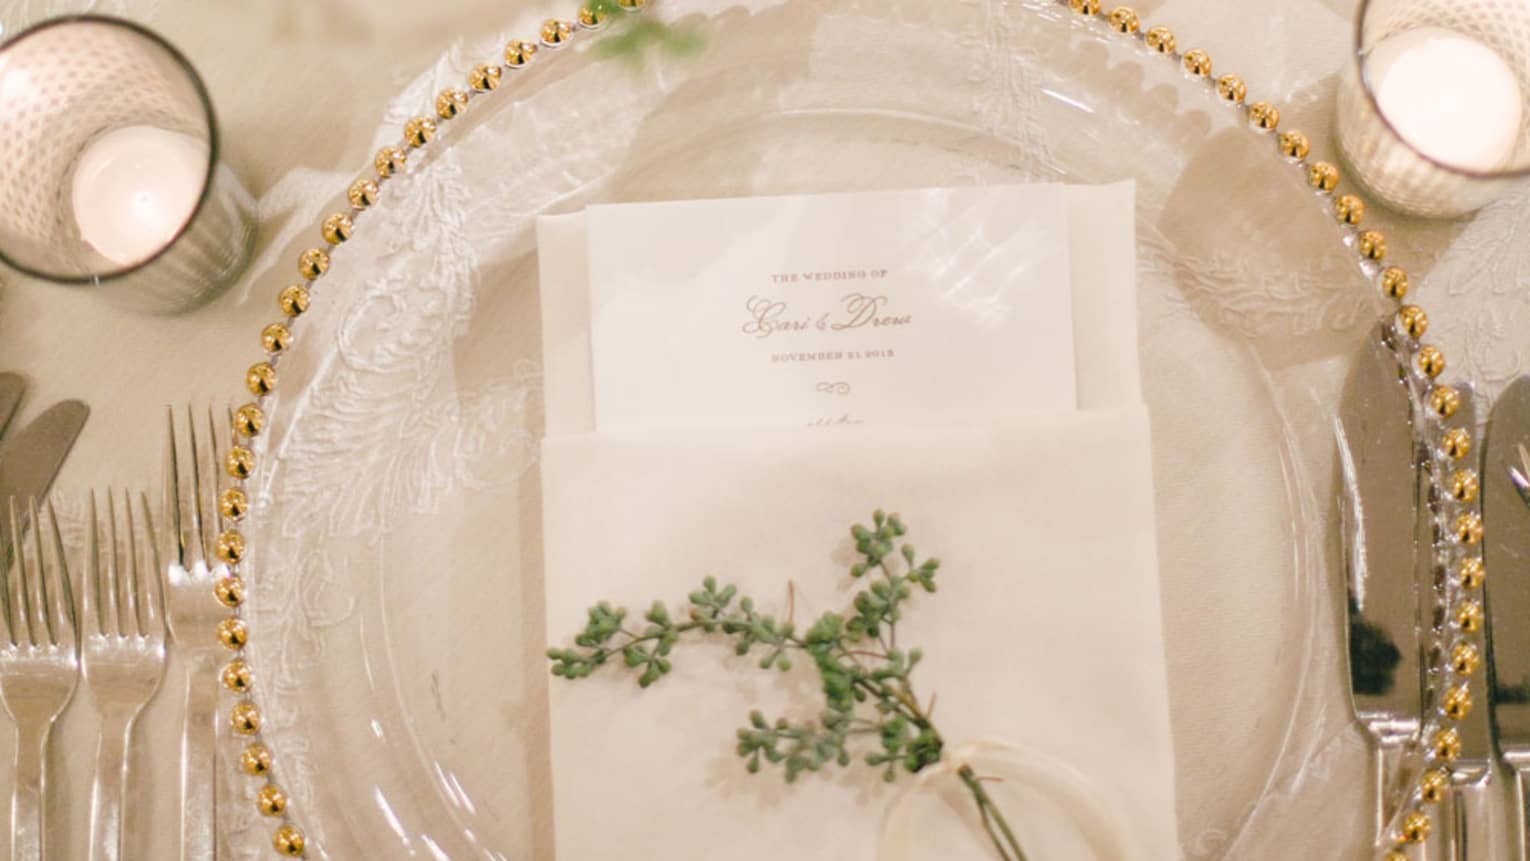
39, 668
191, 484
122, 651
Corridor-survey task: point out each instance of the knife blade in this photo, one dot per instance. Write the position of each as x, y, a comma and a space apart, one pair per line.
1379, 509
31, 457
1469, 807
1506, 519
12, 387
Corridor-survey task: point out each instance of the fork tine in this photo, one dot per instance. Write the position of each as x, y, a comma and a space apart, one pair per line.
170, 493
112, 621
7, 601
129, 572
64, 608
19, 582
90, 587
193, 549
151, 587
209, 503
39, 568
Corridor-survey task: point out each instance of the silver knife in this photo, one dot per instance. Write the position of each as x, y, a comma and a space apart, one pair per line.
1468, 812
12, 387
1379, 514
31, 457
1506, 515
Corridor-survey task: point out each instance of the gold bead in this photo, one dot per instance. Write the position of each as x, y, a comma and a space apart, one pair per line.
390, 160
233, 503
1412, 320
1085, 7
233, 634
1447, 744
591, 18
239, 462
1323, 176
1373, 245
1161, 39
1432, 785
632, 5
249, 420
255, 760
237, 677
419, 131
1464, 485
1468, 528
1445, 400
555, 32
293, 300
1469, 616
450, 103
1457, 443
289, 841
275, 338
362, 193
271, 801
1124, 19
337, 228
484, 77
1395, 855
1198, 63
1415, 826
1231, 88
1349, 209
1264, 115
518, 54
313, 263
1458, 702
260, 379
1464, 659
245, 718
1471, 572
1394, 282
1430, 360
230, 546
230, 590
1294, 144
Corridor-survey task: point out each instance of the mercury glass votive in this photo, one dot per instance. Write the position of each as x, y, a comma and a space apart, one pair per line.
1433, 115
109, 168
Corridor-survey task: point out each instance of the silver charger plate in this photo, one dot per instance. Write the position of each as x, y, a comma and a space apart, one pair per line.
396, 615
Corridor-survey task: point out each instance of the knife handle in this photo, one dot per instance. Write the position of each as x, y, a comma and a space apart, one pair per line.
1520, 815
1386, 763
1469, 814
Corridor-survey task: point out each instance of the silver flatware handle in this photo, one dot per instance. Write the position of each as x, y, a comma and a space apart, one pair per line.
199, 764
1470, 816
106, 829
28, 821
1386, 762
1520, 814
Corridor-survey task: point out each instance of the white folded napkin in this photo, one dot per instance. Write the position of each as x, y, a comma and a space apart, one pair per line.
1044, 635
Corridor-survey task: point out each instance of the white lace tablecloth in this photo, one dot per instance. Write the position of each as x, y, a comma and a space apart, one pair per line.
306, 92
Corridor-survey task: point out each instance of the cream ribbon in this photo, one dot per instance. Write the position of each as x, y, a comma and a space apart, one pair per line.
1093, 818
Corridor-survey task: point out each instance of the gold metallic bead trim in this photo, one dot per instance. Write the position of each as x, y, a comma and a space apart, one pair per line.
1394, 282
555, 32
1231, 88
1458, 702
450, 103
1469, 616
293, 300
388, 161
1447, 744
271, 801
484, 78
362, 193
1456, 443
313, 263
236, 676
1464, 659
249, 420
1432, 785
1161, 39
244, 718
419, 131
1124, 19
1198, 63
337, 228
1349, 209
230, 591
239, 462
1464, 485
289, 841
260, 379
1323, 176
1294, 144
1471, 573
1430, 361
1412, 320
1373, 245
1264, 116
276, 338
233, 504
255, 760
1415, 827
233, 634
230, 546
591, 19
1085, 7
518, 54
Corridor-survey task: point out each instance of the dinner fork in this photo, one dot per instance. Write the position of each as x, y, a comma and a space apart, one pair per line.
193, 610
39, 668
122, 652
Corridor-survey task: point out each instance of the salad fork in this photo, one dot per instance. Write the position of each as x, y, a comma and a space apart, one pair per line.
191, 572
39, 668
122, 652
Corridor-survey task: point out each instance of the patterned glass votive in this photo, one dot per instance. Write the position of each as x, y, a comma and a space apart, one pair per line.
1434, 114
109, 170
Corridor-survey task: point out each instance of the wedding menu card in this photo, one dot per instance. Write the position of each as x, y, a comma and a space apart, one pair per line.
933, 306
1044, 638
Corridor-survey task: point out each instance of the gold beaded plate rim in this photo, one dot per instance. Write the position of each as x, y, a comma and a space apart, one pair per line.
1408, 325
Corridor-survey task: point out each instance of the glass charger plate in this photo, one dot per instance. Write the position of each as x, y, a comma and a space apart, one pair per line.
396, 618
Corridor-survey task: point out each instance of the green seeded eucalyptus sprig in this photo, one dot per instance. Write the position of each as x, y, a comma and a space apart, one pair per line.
866, 678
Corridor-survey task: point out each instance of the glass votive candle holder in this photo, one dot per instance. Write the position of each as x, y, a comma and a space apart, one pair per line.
1433, 115
109, 169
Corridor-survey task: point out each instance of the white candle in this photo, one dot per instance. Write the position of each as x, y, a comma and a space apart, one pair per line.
135, 187
1451, 97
